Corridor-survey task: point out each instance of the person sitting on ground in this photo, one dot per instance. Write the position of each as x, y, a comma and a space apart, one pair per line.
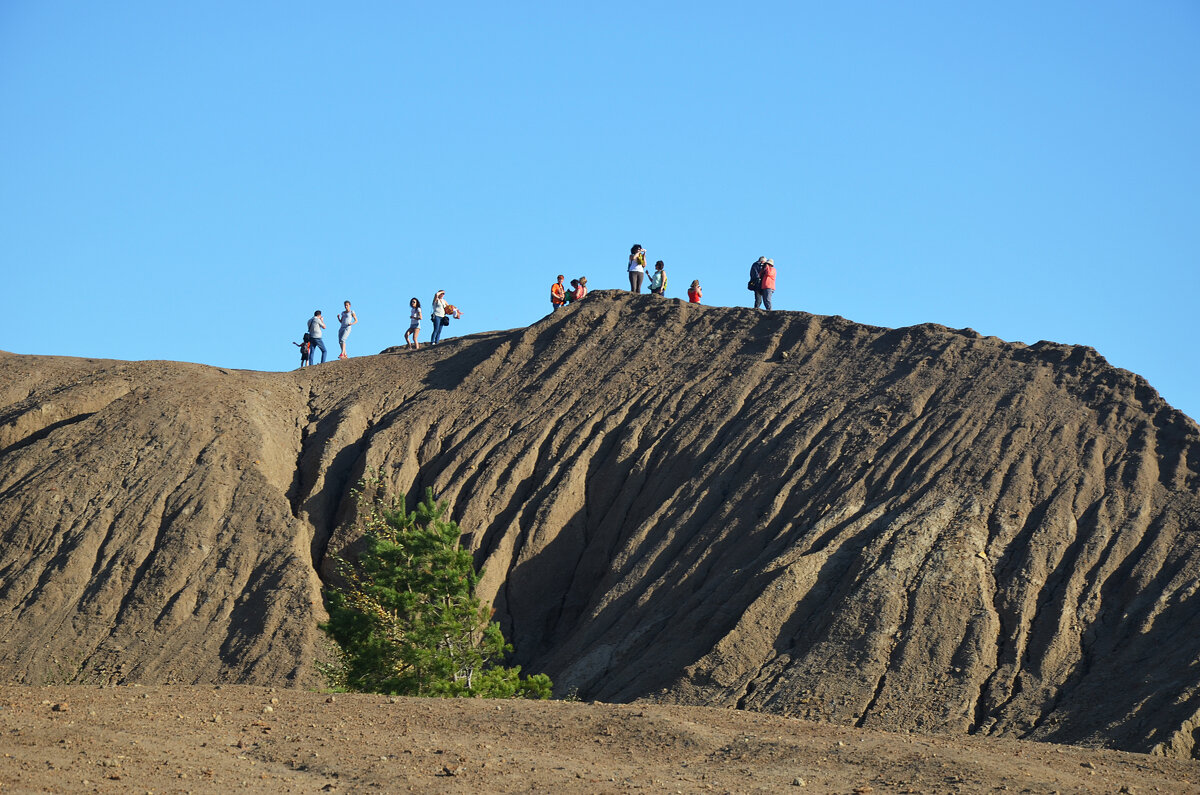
414, 325
658, 281
557, 293
694, 292
569, 296
582, 289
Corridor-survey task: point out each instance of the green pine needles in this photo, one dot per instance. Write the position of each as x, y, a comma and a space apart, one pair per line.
407, 621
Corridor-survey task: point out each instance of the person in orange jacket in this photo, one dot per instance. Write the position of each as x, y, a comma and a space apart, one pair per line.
557, 293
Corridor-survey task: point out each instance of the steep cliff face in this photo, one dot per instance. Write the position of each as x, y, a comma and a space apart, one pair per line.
914, 528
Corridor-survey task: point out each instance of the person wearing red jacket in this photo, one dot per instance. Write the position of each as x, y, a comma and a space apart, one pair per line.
768, 283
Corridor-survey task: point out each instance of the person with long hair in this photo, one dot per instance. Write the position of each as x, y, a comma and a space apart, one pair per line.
637, 268
414, 325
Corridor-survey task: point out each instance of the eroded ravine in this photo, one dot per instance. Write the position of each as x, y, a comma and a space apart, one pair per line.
915, 528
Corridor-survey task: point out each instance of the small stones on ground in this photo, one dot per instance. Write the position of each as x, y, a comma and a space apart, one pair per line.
330, 700
799, 782
268, 709
61, 706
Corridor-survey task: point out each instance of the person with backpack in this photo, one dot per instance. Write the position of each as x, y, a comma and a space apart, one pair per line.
767, 290
755, 284
347, 318
315, 324
414, 325
557, 293
658, 281
305, 350
438, 316
637, 268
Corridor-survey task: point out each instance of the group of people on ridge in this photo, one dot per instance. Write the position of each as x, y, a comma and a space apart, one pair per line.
561, 295
440, 316
762, 278
314, 337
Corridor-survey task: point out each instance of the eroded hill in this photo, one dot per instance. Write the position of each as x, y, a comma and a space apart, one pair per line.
915, 528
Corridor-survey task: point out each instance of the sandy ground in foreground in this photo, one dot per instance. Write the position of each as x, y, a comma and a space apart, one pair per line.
220, 739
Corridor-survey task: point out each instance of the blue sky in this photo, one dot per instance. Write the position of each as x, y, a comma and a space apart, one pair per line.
189, 181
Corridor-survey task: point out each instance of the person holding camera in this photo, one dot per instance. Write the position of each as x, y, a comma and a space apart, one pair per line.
315, 324
637, 268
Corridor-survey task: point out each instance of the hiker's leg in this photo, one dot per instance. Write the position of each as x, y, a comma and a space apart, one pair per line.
633, 281
767, 293
639, 276
437, 330
758, 296
320, 343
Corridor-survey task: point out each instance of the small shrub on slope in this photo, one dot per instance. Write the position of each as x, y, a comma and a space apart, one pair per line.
408, 621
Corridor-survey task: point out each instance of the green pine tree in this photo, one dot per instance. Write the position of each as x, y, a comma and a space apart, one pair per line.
408, 621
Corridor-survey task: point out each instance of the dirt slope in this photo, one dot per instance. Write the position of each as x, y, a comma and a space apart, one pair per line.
902, 529
245, 739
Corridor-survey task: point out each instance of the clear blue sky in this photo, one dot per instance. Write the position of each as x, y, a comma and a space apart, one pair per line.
190, 180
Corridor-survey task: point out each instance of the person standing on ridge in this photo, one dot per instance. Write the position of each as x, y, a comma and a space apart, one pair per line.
347, 318
315, 324
414, 325
658, 280
768, 283
438, 315
557, 293
755, 284
637, 268
694, 292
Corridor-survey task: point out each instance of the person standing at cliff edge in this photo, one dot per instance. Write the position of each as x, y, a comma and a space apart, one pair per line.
315, 324
438, 315
347, 318
755, 283
637, 268
768, 284
557, 293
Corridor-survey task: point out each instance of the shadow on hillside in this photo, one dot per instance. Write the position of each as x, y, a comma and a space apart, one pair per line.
448, 373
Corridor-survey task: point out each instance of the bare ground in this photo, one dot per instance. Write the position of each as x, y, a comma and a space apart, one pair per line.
236, 738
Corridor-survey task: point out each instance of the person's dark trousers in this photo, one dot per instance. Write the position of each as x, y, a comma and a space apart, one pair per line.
766, 297
758, 298
318, 343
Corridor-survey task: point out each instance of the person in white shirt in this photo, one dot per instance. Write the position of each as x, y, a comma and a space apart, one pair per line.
347, 319
637, 268
438, 315
315, 324
414, 326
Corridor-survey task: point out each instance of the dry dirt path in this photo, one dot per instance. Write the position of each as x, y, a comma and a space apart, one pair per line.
234, 738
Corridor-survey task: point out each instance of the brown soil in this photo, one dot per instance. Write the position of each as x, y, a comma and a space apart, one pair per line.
912, 529
200, 739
